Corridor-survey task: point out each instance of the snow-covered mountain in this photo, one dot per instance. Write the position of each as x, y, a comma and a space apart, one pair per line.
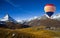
44, 20
21, 21
35, 21
56, 17
38, 18
7, 18
27, 20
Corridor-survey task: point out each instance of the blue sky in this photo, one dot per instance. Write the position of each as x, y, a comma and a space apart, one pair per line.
24, 9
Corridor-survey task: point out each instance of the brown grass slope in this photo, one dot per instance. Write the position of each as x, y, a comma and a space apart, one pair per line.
28, 33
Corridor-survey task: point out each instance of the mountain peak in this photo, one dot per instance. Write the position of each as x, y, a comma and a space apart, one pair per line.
7, 18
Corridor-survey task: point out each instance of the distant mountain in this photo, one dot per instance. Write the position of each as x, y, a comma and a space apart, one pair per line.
21, 21
45, 20
7, 18
56, 17
8, 22
35, 21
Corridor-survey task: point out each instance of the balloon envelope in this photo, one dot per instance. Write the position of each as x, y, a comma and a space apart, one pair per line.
49, 9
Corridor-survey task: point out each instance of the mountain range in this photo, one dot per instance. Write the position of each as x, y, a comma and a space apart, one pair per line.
45, 20
8, 21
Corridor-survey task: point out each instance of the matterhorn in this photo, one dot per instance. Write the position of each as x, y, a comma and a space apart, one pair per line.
7, 18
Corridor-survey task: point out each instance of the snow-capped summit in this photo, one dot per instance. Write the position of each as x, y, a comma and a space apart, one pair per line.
57, 17
21, 21
7, 18
35, 17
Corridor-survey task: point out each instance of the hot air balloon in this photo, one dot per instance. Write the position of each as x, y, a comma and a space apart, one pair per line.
49, 9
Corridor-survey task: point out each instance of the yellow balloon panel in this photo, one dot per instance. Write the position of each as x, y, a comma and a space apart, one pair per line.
49, 8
